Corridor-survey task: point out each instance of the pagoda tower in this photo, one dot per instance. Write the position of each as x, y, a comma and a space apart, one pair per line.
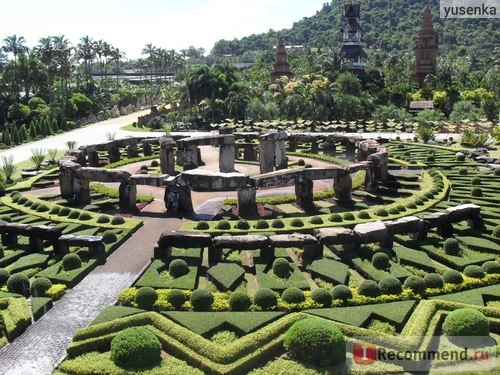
352, 43
426, 49
281, 66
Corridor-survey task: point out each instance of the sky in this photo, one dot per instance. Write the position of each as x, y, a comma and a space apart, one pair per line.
130, 24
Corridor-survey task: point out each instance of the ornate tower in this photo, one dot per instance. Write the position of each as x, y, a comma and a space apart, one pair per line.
352, 43
281, 66
426, 49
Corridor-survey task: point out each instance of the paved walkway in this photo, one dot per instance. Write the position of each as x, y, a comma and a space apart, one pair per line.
43, 345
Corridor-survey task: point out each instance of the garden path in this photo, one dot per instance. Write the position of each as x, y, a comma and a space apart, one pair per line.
43, 345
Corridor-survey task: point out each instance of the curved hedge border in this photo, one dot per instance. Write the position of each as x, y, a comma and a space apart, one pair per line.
28, 183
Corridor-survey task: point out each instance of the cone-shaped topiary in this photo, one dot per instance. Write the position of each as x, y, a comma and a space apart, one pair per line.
201, 300
322, 296
239, 301
146, 297
293, 295
265, 298
390, 285
316, 342
466, 322
135, 347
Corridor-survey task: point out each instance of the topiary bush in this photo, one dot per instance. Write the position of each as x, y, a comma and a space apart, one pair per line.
433, 280
490, 267
293, 295
430, 158
242, 224
411, 206
322, 296
349, 216
202, 225
4, 276
117, 220
201, 300
451, 246
71, 261
363, 215
460, 157
452, 277
382, 212
135, 347
476, 181
64, 211
178, 268
335, 218
296, 223
261, 224
155, 164
265, 298
146, 297
176, 298
84, 216
369, 288
462, 171
42, 208
103, 219
497, 172
316, 342
474, 271
415, 283
239, 301
341, 292
223, 225
316, 220
34, 205
39, 286
301, 162
390, 285
476, 192
74, 214
277, 224
496, 232
109, 237
19, 283
55, 210
381, 261
281, 268
393, 211
466, 322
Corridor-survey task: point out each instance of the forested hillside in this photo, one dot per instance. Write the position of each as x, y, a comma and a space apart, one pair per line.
389, 25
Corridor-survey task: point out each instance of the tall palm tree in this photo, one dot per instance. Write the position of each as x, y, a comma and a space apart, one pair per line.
150, 50
15, 45
86, 51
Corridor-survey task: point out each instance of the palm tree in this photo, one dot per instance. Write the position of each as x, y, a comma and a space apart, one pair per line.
45, 52
150, 50
86, 50
15, 45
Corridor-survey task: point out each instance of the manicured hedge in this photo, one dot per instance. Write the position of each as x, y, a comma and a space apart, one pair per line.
226, 276
329, 270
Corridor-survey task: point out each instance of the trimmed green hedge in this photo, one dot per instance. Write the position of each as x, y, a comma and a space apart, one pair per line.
226, 276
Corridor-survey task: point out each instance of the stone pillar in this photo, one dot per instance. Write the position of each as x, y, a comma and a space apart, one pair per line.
190, 158
247, 204
167, 162
304, 194
66, 182
132, 150
329, 148
200, 162
280, 158
476, 223
93, 157
114, 153
36, 244
267, 252
9, 238
292, 144
314, 146
371, 182
350, 151
82, 191
179, 157
266, 155
147, 150
214, 255
226, 158
249, 152
185, 201
127, 196
312, 251
342, 186
237, 151
383, 166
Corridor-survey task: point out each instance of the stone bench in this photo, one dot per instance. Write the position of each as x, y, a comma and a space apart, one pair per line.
37, 234
94, 243
239, 242
309, 244
167, 241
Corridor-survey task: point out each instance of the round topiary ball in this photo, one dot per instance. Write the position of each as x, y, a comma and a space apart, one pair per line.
335, 218
55, 210
316, 220
281, 268
19, 283
452, 277
146, 297
369, 288
460, 157
363, 215
491, 266
84, 216
476, 192
322, 296
239, 301
265, 298
497, 172
202, 225
4, 276
433, 280
176, 298
71, 261
201, 300
39, 286
466, 322
382, 212
415, 283
223, 224
64, 211
277, 224
135, 347
117, 220
301, 162
296, 223
390, 285
316, 342
242, 224
430, 158
293, 295
261, 224
474, 271
496, 232
380, 261
103, 219
349, 216
109, 237
476, 181
451, 246
178, 268
341, 292
462, 171
74, 214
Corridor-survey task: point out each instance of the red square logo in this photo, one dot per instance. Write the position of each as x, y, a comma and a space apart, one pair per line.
365, 353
